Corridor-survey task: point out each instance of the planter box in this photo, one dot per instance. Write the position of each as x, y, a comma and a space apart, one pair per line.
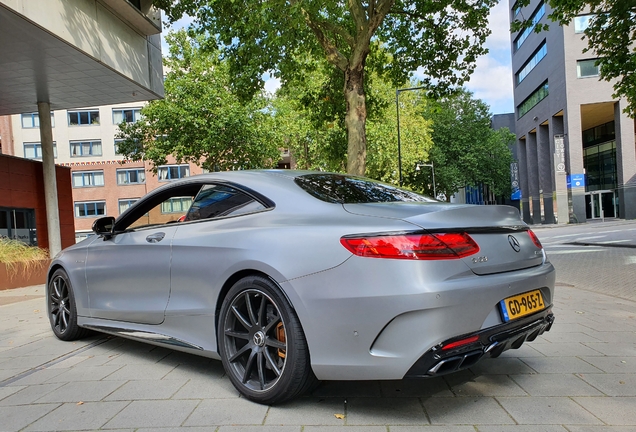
20, 276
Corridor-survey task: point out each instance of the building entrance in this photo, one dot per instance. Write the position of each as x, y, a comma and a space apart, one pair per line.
18, 224
601, 204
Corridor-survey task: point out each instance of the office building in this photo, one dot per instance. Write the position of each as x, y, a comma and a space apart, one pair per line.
576, 146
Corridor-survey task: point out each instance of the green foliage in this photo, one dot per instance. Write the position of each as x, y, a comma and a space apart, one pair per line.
466, 151
443, 37
308, 121
201, 120
611, 36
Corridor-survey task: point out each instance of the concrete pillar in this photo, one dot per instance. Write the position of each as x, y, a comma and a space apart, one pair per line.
533, 176
523, 181
50, 181
625, 162
545, 173
560, 178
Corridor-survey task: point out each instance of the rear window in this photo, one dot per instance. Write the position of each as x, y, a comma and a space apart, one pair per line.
338, 188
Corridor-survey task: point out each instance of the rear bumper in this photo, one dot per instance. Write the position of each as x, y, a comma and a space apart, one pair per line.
491, 342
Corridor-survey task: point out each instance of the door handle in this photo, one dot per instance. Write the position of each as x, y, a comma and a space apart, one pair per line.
156, 237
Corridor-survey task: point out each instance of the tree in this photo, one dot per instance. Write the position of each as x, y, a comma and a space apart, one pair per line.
611, 35
201, 120
444, 37
466, 150
308, 120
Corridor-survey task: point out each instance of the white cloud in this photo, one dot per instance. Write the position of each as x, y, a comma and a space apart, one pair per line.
492, 79
271, 83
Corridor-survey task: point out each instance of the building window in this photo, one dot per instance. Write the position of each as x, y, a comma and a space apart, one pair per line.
131, 176
176, 205
124, 204
32, 120
582, 22
586, 68
90, 209
535, 18
172, 172
88, 179
532, 63
515, 10
34, 150
532, 100
86, 148
83, 118
129, 115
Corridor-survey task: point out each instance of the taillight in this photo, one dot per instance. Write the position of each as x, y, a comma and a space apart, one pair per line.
534, 239
414, 246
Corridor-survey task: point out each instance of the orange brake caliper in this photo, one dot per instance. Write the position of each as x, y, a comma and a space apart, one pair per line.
280, 335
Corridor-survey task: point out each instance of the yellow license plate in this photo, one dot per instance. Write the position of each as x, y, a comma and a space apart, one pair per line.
521, 305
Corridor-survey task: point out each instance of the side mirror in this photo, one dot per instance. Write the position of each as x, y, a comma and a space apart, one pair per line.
104, 226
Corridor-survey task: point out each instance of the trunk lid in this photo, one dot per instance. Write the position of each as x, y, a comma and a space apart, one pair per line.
502, 237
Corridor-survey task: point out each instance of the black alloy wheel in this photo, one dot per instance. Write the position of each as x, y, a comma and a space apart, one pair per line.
61, 308
261, 342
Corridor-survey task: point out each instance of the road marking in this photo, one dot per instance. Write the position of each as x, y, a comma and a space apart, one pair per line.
615, 241
566, 235
589, 238
563, 252
605, 232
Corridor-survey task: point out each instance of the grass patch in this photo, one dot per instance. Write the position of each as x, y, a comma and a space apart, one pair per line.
15, 254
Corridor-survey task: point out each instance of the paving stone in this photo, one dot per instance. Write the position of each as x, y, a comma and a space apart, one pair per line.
71, 416
82, 391
29, 394
613, 364
612, 384
279, 429
6, 374
466, 410
348, 389
195, 371
146, 390
207, 388
435, 387
557, 365
488, 385
555, 385
79, 373
69, 362
431, 428
502, 365
7, 391
227, 412
526, 350
611, 410
151, 371
575, 349
17, 417
521, 428
178, 429
384, 411
37, 377
307, 411
615, 349
153, 414
546, 410
600, 428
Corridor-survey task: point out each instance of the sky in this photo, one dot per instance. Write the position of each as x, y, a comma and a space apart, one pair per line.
492, 79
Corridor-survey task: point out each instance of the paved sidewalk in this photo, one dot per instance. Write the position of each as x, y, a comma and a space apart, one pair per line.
579, 377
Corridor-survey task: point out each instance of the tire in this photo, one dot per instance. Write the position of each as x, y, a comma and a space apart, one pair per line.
262, 344
62, 311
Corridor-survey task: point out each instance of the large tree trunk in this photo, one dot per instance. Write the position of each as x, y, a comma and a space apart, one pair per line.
355, 120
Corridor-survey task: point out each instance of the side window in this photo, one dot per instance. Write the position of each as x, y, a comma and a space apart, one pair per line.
217, 200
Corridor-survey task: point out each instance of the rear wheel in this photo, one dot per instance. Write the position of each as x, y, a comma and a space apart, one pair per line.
61, 308
261, 342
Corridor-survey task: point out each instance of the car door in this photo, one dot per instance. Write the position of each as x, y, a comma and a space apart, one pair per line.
128, 273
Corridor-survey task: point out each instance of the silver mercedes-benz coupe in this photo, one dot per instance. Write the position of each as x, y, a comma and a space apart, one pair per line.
290, 277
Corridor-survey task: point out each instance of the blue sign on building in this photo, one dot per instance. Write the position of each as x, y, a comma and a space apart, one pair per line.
576, 180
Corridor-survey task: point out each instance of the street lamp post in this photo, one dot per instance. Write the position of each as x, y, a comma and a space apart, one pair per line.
397, 108
417, 168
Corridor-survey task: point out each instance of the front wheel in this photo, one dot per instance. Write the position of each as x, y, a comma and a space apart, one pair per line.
262, 344
62, 309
